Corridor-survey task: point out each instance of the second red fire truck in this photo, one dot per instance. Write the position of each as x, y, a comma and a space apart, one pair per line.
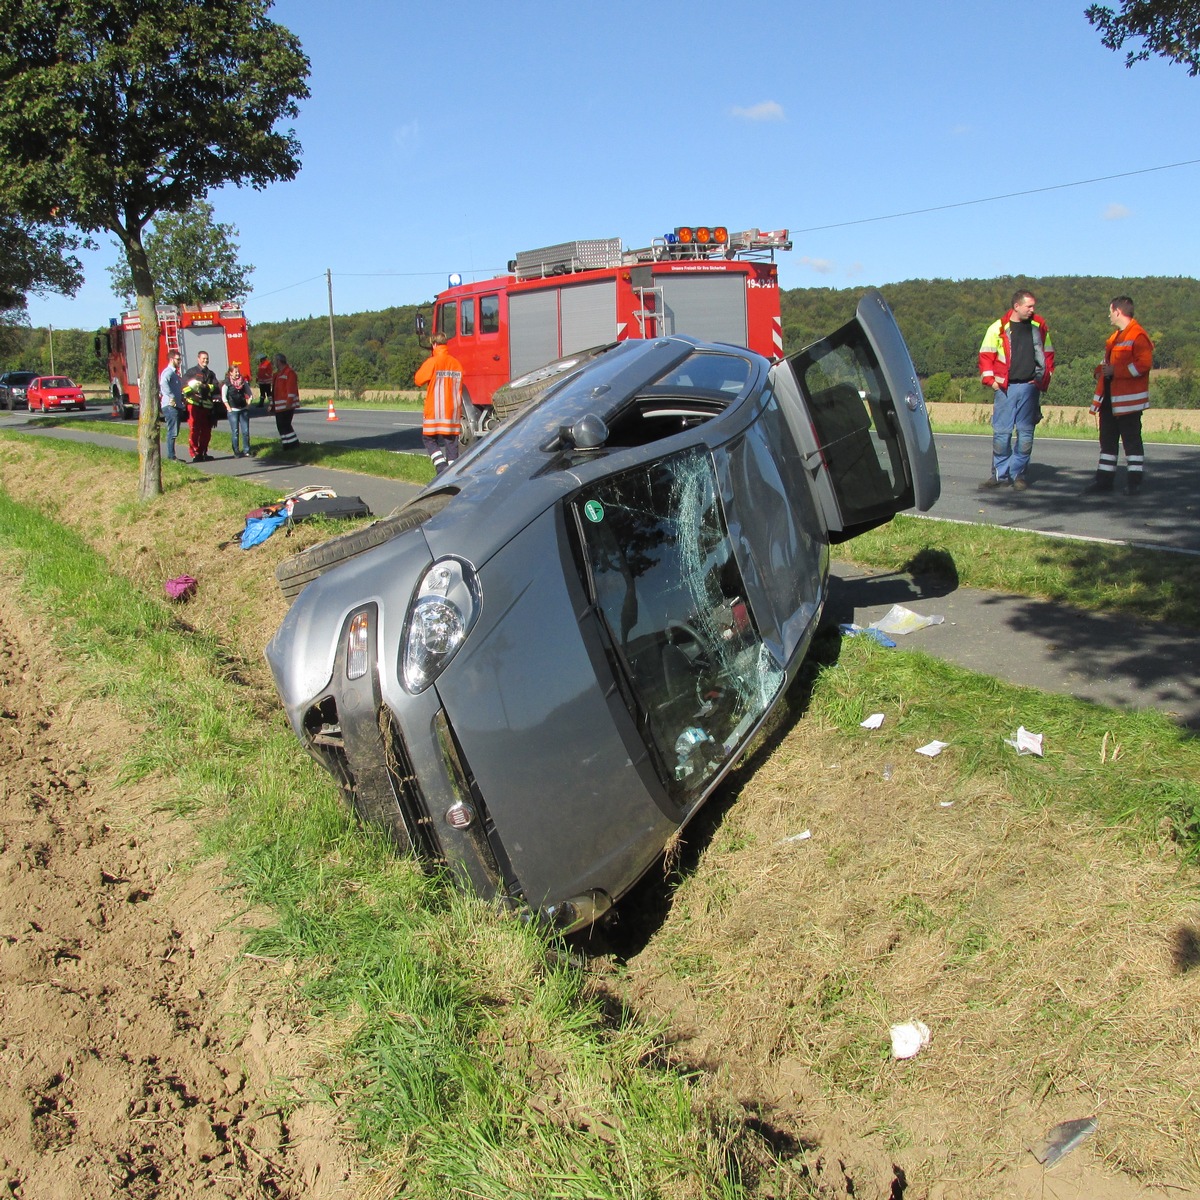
220, 328
557, 300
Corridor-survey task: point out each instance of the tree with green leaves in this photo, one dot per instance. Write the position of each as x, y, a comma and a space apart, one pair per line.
1167, 27
34, 259
193, 258
113, 113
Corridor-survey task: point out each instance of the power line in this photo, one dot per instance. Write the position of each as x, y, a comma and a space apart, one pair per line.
1054, 187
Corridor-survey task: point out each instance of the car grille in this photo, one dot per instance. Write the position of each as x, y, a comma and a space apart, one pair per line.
408, 793
327, 744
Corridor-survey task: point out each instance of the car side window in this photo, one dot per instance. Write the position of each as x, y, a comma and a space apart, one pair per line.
466, 320
851, 409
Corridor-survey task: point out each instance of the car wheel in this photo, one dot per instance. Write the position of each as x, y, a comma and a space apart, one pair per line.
301, 569
520, 392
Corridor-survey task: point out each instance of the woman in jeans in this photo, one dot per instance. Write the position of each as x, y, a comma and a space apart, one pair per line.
235, 391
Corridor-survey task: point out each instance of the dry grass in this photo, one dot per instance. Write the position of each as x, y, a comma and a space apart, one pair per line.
1047, 955
1057, 417
1050, 957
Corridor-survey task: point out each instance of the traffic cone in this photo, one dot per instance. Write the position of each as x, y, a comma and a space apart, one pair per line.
332, 415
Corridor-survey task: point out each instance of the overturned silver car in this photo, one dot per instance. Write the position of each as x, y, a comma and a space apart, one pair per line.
536, 673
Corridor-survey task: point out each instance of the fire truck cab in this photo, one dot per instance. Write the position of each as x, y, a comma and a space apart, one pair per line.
557, 300
220, 328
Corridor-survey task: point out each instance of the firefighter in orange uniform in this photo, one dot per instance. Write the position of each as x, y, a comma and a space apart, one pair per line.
443, 374
264, 377
1122, 395
285, 400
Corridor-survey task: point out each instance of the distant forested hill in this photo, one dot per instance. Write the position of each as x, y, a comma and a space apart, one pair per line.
942, 320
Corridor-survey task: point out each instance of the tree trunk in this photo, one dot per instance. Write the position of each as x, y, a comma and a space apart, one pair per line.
149, 417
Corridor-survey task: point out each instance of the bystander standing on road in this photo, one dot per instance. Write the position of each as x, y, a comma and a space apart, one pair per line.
264, 376
1016, 361
1122, 395
170, 400
285, 400
442, 423
235, 391
200, 388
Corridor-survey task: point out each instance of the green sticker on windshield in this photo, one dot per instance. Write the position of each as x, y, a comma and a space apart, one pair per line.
594, 511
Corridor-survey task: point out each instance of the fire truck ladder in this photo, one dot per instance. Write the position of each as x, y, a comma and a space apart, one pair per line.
652, 311
169, 319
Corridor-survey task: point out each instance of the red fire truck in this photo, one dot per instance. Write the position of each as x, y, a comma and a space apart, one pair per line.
699, 280
220, 328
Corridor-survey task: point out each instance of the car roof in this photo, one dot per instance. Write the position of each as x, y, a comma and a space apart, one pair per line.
518, 471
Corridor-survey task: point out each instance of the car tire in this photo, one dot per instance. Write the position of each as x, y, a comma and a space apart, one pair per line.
519, 393
295, 573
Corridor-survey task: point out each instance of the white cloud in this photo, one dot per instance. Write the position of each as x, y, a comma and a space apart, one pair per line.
406, 135
768, 110
822, 266
1116, 212
960, 130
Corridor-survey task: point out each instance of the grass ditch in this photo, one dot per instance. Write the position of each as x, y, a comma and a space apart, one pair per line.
1129, 580
477, 1058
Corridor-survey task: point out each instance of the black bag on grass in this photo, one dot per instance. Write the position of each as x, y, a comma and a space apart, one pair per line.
330, 506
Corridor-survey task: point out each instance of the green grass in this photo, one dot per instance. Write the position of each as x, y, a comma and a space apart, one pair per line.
473, 1055
1146, 584
385, 464
1152, 784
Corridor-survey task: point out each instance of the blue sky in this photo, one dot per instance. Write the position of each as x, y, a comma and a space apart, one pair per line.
435, 143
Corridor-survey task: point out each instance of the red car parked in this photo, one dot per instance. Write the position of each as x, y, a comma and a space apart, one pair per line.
54, 391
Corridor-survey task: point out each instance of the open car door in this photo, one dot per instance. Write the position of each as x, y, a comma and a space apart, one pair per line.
860, 418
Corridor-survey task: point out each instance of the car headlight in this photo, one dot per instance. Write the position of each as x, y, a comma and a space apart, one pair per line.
442, 613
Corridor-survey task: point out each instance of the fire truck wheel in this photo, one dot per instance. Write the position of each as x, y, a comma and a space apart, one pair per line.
301, 569
118, 404
518, 393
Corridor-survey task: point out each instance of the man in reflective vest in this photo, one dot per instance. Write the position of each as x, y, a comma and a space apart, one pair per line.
1016, 361
1122, 395
443, 373
285, 400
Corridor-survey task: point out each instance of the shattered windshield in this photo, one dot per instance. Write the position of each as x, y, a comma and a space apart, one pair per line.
665, 581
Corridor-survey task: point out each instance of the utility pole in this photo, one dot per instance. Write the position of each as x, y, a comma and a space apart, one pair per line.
52, 370
332, 346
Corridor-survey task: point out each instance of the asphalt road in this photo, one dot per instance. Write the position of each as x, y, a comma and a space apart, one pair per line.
1094, 656
1165, 515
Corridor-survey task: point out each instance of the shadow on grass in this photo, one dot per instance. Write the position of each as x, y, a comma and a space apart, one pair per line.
625, 932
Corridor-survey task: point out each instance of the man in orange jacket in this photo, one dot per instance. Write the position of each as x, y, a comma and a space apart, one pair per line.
442, 423
1122, 395
285, 400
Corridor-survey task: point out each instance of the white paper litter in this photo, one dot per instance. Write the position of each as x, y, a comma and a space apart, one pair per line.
1026, 742
909, 1038
796, 837
873, 721
900, 620
932, 749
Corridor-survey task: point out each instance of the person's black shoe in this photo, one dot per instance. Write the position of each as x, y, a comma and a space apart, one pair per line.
1096, 488
993, 482
1133, 485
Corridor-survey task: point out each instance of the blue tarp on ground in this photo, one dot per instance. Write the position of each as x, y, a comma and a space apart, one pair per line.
258, 529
